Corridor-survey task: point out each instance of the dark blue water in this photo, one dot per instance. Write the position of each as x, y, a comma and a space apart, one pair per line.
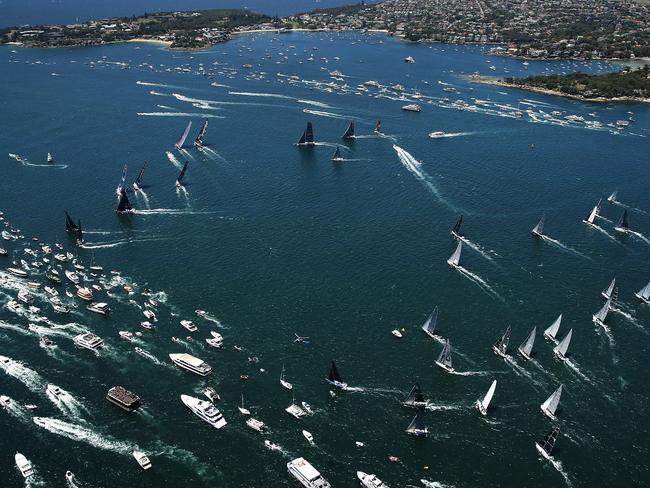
21, 12
272, 240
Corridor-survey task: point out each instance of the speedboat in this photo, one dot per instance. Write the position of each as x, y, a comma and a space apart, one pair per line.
255, 424
149, 314
211, 394
53, 390
295, 411
200, 313
21, 273
205, 410
5, 401
307, 407
24, 466
60, 308
413, 107
396, 333
214, 342
14, 306
127, 336
370, 480
437, 134
272, 446
100, 307
189, 325
25, 297
147, 325
142, 459
72, 276
69, 476
45, 342
308, 436
51, 291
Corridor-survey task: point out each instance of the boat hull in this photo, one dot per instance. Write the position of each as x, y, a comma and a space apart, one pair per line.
445, 367
523, 354
543, 453
547, 413
481, 408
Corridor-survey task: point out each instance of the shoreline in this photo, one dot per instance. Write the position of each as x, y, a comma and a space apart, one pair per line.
147, 40
486, 80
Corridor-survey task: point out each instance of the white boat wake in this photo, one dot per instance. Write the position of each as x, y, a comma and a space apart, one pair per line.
159, 85
174, 160
600, 229
480, 282
574, 367
558, 467
122, 242
263, 95
640, 236
521, 371
321, 113
315, 103
171, 211
440, 407
16, 410
28, 377
145, 197
453, 134
25, 162
472, 373
564, 247
150, 357
78, 433
479, 249
179, 114
68, 404
629, 317
414, 166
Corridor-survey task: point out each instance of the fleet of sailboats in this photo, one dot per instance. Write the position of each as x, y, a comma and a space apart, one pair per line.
549, 407
482, 405
600, 316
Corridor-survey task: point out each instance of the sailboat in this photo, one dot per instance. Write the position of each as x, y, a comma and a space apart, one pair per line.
599, 317
137, 184
284, 382
120, 185
125, 205
181, 141
500, 347
417, 426
444, 359
307, 138
551, 332
550, 405
526, 347
337, 155
179, 180
334, 378
612, 197
483, 405
607, 293
415, 399
429, 327
455, 257
644, 294
591, 218
455, 231
70, 226
80, 237
242, 409
378, 128
50, 159
538, 230
545, 446
349, 133
198, 142
623, 224
561, 349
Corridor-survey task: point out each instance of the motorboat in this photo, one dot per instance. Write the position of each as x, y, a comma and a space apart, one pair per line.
142, 459
413, 107
14, 306
272, 446
149, 314
370, 480
24, 466
20, 273
60, 308
205, 410
25, 297
72, 276
295, 411
397, 333
255, 424
307, 435
211, 394
306, 474
437, 134
85, 294
89, 341
127, 336
189, 325
45, 342
147, 325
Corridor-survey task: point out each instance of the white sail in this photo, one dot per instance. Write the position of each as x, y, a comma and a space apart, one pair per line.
181, 141
551, 332
562, 347
607, 293
527, 346
592, 216
444, 359
644, 293
601, 315
455, 258
551, 403
539, 228
429, 326
612, 197
488, 396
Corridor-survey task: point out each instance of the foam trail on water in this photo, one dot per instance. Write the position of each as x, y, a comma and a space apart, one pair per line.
68, 404
183, 456
315, 103
480, 282
558, 467
178, 114
72, 482
171, 211
521, 371
574, 367
600, 229
174, 160
640, 236
145, 197
441, 407
472, 373
565, 247
414, 166
30, 378
160, 85
15, 328
150, 357
106, 245
454, 134
83, 434
628, 316
16, 410
264, 95
321, 113
477, 248
25, 162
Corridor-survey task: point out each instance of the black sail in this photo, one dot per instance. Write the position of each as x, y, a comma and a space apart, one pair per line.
138, 180
309, 134
349, 133
179, 180
334, 374
70, 226
456, 228
124, 205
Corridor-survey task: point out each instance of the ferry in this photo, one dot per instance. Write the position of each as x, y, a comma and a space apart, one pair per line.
191, 363
123, 398
89, 341
306, 474
100, 307
205, 410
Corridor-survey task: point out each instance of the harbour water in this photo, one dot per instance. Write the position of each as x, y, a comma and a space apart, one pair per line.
273, 240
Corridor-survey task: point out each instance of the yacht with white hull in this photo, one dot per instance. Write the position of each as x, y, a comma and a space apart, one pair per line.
306, 474
205, 410
370, 480
191, 363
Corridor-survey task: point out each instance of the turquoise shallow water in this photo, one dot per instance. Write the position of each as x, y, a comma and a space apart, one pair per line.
272, 240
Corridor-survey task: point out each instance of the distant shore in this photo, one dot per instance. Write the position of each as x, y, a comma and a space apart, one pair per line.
489, 80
